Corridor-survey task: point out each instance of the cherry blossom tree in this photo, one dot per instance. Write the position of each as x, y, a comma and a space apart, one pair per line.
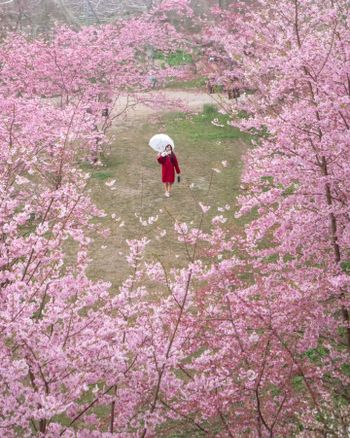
295, 59
57, 326
94, 67
250, 337
43, 204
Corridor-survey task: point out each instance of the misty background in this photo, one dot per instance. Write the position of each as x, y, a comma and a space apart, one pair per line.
38, 16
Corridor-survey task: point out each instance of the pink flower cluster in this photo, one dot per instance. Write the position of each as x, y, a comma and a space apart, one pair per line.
250, 337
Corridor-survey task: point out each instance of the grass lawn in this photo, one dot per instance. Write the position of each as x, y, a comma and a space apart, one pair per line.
200, 146
198, 83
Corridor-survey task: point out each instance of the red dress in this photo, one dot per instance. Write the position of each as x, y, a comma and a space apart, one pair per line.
168, 168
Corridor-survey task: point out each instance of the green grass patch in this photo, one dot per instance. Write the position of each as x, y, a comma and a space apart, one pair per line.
345, 265
244, 115
315, 355
298, 383
102, 175
174, 59
273, 258
346, 369
210, 125
109, 169
196, 83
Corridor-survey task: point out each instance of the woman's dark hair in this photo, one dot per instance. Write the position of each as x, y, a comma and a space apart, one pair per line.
172, 155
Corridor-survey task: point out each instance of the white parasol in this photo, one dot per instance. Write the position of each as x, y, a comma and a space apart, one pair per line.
159, 141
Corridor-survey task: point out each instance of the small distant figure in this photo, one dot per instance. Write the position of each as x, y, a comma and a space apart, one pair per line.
169, 164
153, 81
211, 85
233, 91
236, 92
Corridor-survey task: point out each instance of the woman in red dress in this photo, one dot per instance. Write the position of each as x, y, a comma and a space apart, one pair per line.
169, 164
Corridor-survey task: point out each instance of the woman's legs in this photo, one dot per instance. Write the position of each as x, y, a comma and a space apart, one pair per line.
167, 188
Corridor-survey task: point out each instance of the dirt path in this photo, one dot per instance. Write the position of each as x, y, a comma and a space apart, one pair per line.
169, 101
200, 147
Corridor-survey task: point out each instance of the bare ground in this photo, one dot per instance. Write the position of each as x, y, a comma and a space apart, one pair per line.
169, 100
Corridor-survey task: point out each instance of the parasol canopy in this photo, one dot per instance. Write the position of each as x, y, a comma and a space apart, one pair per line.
159, 141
